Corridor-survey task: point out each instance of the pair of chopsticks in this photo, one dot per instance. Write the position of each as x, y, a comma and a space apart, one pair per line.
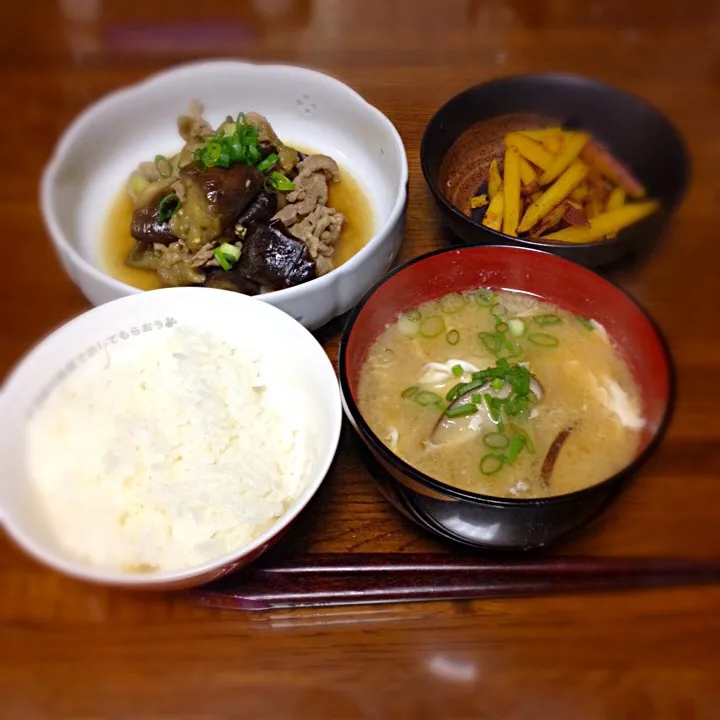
333, 579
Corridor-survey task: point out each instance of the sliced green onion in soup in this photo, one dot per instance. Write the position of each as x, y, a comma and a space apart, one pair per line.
516, 326
426, 397
516, 446
543, 340
410, 392
492, 463
498, 310
497, 384
506, 348
452, 303
432, 326
463, 410
548, 319
496, 440
409, 322
457, 370
484, 297
493, 405
587, 324
501, 326
453, 338
491, 341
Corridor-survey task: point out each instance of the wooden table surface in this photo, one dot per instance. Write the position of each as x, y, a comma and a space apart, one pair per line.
69, 650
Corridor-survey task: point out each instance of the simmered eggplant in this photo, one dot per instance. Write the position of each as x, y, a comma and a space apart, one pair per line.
231, 280
147, 227
214, 198
274, 258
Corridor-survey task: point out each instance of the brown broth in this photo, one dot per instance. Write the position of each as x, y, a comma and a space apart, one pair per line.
571, 375
346, 196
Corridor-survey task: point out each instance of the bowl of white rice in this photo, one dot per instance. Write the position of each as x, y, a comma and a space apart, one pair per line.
165, 439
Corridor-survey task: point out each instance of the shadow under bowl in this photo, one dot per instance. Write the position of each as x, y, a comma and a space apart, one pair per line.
466, 132
480, 520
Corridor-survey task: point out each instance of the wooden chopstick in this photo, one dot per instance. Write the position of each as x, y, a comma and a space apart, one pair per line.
324, 580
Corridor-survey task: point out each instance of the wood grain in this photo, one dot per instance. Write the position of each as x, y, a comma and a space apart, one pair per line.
67, 650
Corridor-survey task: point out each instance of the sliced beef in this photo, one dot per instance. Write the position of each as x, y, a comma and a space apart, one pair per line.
307, 214
142, 256
146, 227
175, 266
274, 258
231, 280
320, 231
193, 127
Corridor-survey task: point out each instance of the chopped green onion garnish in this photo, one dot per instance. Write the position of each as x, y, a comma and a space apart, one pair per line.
268, 162
226, 255
517, 326
457, 370
550, 319
138, 183
280, 182
224, 262
543, 339
452, 303
164, 166
492, 463
230, 251
425, 397
432, 326
484, 297
497, 384
498, 309
587, 324
453, 337
168, 206
496, 440
410, 392
461, 410
476, 398
501, 427
501, 326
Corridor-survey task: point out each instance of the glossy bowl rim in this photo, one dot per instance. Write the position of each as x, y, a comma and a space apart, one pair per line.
330, 428
103, 105
623, 236
356, 417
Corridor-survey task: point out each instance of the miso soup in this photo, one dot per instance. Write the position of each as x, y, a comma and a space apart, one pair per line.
502, 394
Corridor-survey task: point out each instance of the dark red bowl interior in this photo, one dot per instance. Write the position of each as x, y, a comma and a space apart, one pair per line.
567, 285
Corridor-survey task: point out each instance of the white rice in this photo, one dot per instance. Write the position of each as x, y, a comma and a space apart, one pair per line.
176, 452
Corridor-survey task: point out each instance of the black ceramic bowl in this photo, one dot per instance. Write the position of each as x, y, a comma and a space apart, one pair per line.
457, 143
471, 518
